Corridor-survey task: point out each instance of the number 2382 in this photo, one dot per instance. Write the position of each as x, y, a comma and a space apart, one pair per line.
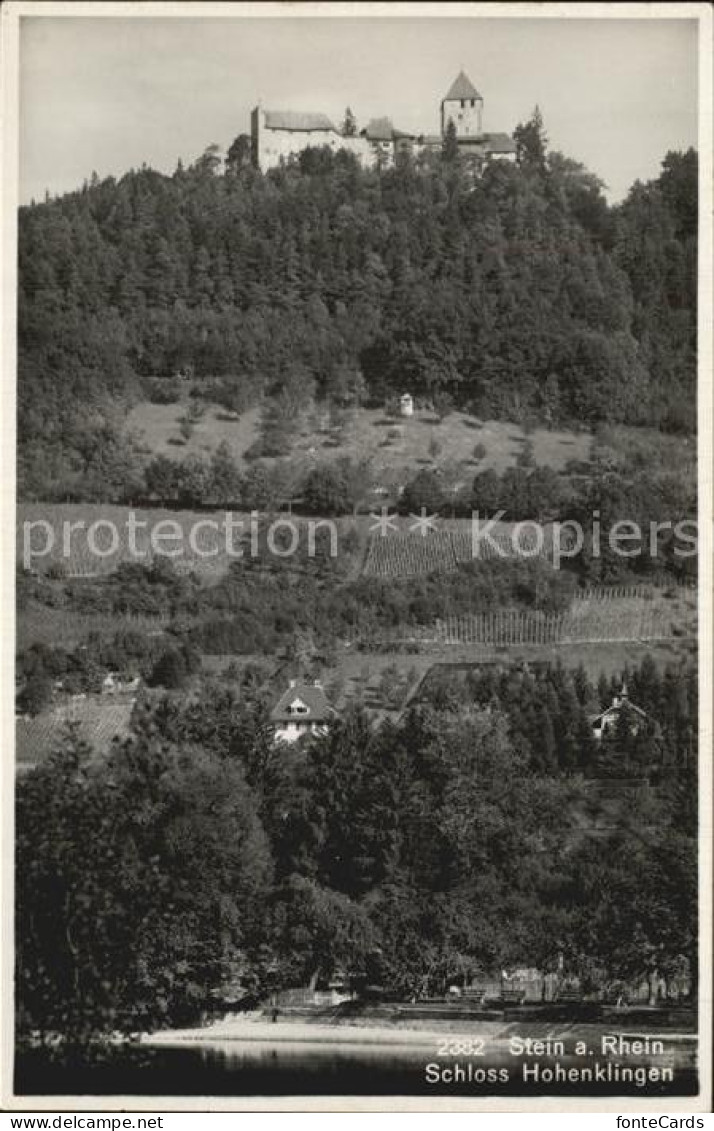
453, 1046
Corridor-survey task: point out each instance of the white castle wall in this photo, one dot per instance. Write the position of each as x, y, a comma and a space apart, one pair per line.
271, 146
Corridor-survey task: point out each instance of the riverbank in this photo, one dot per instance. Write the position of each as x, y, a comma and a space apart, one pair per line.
340, 1031
252, 1055
364, 1031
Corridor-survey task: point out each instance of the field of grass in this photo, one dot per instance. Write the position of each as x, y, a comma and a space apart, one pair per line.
157, 427
357, 677
362, 668
369, 434
38, 623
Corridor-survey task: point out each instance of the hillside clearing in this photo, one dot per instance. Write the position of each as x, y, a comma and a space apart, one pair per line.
391, 444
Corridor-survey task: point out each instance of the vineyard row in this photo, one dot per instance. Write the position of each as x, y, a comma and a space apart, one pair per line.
442, 551
511, 626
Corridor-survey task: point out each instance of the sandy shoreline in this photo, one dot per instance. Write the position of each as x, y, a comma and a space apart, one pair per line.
497, 1033
304, 1033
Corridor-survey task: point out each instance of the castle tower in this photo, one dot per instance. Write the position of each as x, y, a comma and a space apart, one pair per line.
463, 105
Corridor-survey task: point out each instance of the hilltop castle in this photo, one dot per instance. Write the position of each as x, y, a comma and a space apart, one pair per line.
277, 135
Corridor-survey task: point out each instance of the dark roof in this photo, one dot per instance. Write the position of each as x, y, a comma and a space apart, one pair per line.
473, 142
616, 708
500, 143
488, 143
314, 698
461, 87
297, 120
379, 129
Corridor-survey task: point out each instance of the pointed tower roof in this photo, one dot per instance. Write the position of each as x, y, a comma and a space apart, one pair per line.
461, 87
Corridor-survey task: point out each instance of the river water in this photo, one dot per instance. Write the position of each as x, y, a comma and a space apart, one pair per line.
300, 1068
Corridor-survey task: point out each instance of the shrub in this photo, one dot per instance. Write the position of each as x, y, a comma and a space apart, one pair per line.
487, 493
163, 391
326, 491
35, 695
391, 408
255, 451
173, 669
526, 456
443, 404
423, 492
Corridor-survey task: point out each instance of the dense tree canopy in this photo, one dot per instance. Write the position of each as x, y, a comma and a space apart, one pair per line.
516, 292
198, 856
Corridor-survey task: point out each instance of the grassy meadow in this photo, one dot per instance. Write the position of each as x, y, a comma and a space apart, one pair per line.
392, 445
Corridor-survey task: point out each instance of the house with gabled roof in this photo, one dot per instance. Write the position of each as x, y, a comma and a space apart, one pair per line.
610, 718
303, 709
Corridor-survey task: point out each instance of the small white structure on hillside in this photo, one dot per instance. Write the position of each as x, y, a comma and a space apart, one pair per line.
113, 684
406, 404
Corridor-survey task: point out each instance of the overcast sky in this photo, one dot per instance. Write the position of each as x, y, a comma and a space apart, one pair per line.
107, 94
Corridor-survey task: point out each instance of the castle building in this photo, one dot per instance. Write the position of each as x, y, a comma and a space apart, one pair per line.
463, 106
279, 135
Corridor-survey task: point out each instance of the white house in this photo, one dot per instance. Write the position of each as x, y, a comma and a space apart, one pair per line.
301, 710
608, 719
113, 684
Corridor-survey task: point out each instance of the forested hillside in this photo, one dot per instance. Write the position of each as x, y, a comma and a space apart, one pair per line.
462, 814
452, 844
520, 294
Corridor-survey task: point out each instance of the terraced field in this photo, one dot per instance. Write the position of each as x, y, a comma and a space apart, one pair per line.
636, 613
90, 540
86, 540
97, 722
401, 555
